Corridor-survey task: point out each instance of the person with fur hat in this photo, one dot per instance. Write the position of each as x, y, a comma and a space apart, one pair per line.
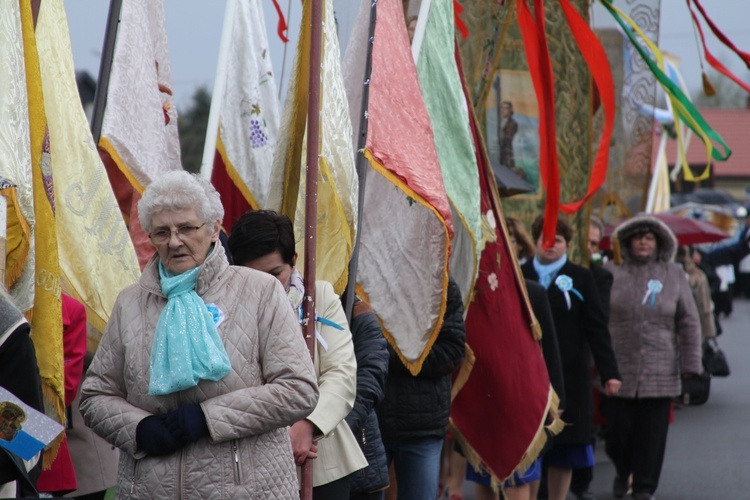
656, 335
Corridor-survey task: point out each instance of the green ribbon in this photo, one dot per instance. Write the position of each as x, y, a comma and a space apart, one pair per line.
693, 117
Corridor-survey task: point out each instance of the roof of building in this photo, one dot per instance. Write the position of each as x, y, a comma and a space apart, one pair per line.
733, 125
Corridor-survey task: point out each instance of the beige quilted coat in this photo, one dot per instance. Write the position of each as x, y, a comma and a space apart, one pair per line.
271, 385
654, 346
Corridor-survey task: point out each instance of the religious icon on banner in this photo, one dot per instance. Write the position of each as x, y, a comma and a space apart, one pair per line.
513, 127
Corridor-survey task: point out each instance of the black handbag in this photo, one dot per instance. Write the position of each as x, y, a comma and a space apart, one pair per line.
695, 390
714, 360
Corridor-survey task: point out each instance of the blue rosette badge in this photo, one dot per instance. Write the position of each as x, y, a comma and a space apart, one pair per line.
653, 288
565, 284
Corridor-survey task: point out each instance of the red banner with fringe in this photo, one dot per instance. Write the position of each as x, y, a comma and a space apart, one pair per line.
505, 373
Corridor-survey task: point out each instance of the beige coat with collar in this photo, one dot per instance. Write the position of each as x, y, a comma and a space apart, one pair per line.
271, 385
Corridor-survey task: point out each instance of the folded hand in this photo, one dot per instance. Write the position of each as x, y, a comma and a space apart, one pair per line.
152, 436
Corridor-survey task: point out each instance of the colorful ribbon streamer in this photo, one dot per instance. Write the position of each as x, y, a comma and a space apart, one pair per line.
540, 68
457, 11
721, 36
710, 57
282, 27
683, 108
596, 59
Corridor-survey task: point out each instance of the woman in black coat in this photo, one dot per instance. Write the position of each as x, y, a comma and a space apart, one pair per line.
580, 323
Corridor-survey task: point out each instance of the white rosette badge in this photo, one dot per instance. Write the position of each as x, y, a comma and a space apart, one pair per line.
652, 290
565, 284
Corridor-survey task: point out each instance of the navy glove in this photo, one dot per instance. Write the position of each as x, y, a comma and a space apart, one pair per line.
187, 424
153, 437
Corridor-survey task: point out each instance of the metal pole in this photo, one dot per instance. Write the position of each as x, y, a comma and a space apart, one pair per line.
105, 67
3, 235
349, 292
311, 200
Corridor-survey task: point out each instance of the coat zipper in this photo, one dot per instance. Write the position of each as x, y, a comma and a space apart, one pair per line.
236, 454
135, 472
179, 478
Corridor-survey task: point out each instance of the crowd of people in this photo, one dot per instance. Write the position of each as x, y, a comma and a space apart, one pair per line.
205, 385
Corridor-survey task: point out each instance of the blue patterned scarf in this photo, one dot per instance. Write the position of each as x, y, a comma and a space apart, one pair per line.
187, 347
547, 272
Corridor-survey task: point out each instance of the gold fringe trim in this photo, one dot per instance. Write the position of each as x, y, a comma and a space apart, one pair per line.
532, 452
463, 372
55, 409
13, 272
555, 427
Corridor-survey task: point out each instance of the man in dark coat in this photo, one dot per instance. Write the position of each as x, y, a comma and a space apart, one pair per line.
414, 414
580, 323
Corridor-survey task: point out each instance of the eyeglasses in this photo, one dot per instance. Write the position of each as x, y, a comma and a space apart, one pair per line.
161, 236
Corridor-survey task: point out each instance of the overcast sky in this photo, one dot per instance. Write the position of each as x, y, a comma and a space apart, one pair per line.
194, 30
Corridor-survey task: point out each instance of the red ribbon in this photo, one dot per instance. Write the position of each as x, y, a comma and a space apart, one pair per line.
282, 27
721, 36
457, 11
710, 59
596, 58
540, 68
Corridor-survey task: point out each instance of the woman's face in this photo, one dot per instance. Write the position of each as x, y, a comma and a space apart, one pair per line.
643, 245
186, 247
555, 252
274, 265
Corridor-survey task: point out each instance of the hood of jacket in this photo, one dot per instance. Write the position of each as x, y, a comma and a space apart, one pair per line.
666, 242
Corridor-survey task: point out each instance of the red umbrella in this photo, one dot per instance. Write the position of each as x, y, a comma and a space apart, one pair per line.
688, 231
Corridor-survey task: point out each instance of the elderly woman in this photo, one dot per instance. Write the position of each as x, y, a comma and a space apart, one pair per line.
202, 366
656, 335
264, 240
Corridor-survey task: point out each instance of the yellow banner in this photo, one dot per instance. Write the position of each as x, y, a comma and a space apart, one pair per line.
97, 258
46, 316
337, 180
